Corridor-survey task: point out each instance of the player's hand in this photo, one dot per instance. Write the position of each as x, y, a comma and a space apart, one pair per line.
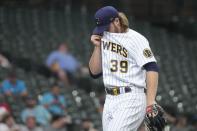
96, 40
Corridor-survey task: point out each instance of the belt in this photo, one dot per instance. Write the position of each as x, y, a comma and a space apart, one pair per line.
121, 90
117, 90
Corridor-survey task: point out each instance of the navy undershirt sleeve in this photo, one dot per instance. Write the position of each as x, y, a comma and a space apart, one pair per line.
95, 76
151, 66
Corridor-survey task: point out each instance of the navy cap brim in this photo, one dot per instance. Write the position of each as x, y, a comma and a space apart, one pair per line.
100, 29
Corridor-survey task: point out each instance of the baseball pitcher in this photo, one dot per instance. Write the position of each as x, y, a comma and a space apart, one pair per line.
124, 59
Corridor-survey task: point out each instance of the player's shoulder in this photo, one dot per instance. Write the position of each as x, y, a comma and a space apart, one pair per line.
136, 36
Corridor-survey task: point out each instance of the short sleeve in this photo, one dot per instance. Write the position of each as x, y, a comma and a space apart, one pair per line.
46, 113
141, 52
51, 58
22, 87
45, 99
62, 100
5, 86
23, 115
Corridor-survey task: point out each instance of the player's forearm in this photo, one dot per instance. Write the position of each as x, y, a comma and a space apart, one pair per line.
95, 64
151, 83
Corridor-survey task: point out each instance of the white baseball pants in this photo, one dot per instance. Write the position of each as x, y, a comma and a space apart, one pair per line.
124, 112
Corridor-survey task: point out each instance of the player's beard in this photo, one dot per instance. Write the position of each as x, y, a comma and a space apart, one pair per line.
117, 29
113, 28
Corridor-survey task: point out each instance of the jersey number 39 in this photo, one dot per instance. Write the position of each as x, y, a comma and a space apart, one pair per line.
121, 66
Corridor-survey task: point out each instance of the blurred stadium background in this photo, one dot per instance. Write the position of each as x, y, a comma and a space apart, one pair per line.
31, 29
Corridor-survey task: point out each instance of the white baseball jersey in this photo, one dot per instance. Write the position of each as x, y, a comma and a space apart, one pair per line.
123, 57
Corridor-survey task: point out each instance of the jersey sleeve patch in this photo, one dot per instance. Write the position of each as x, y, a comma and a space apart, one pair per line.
147, 53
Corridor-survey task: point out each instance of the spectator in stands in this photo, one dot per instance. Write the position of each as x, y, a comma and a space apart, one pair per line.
41, 114
3, 113
30, 124
63, 63
4, 110
13, 86
1, 91
4, 62
53, 101
10, 122
58, 123
87, 125
6, 106
4, 127
181, 124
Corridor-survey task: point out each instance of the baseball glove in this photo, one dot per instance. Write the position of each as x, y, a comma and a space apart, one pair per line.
154, 119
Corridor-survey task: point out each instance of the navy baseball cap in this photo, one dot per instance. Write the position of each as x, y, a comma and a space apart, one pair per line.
103, 18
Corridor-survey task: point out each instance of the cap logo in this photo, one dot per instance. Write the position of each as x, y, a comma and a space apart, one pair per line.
97, 21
